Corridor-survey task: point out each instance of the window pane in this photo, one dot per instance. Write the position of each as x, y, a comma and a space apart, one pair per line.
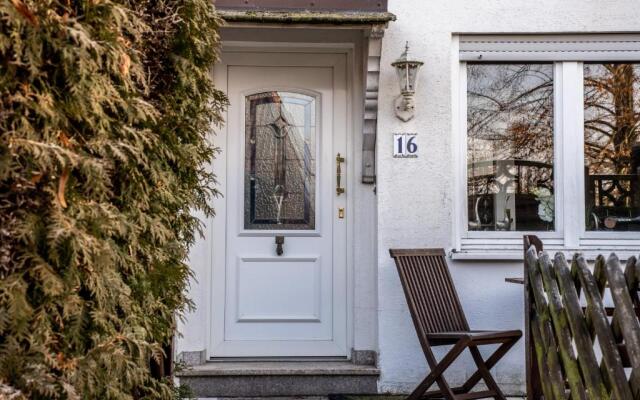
280, 165
612, 146
510, 147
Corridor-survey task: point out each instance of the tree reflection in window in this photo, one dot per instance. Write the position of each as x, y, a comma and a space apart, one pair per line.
612, 146
510, 147
280, 167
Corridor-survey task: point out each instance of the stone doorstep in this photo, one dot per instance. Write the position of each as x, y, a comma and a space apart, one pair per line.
261, 368
279, 379
371, 397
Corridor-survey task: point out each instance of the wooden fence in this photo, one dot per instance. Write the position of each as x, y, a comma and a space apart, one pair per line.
580, 346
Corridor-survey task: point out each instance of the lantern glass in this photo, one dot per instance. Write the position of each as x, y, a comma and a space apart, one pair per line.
407, 76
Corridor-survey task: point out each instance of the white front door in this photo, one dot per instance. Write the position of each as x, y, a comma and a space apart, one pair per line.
284, 272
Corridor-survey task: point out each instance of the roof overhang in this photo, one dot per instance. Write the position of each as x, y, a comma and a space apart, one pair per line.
307, 17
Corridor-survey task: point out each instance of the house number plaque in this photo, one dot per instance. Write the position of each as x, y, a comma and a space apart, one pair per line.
405, 145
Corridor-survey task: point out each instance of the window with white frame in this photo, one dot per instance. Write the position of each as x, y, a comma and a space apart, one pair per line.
549, 141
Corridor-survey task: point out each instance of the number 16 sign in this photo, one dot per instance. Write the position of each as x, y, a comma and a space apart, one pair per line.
405, 145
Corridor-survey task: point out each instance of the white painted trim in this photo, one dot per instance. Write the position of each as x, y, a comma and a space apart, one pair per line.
235, 46
568, 111
305, 26
458, 129
353, 112
218, 224
583, 47
605, 236
341, 73
485, 255
559, 150
462, 152
501, 235
590, 254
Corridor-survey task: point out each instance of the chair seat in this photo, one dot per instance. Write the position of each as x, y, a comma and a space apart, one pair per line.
473, 336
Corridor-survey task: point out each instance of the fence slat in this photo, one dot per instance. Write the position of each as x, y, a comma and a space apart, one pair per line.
541, 356
599, 271
632, 276
624, 309
561, 325
594, 385
612, 361
625, 316
545, 343
575, 275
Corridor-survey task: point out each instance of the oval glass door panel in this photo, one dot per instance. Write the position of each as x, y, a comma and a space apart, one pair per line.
280, 161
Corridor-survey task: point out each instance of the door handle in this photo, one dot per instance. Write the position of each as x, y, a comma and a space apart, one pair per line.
339, 160
279, 245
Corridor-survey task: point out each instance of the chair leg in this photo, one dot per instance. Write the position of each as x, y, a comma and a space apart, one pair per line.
486, 375
444, 389
419, 391
491, 361
437, 394
434, 377
437, 371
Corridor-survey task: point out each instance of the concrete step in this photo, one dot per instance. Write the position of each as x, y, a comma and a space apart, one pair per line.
279, 378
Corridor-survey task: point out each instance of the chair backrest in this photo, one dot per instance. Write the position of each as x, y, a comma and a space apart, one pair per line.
531, 240
428, 287
527, 242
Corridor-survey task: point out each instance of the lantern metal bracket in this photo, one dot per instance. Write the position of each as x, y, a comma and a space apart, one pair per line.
405, 107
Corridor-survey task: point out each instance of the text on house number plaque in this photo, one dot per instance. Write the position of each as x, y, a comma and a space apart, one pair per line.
405, 145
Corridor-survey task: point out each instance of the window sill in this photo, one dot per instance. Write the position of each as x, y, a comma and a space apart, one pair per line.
497, 255
486, 255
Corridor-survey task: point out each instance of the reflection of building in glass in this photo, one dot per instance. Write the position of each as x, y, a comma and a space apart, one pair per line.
612, 146
510, 146
280, 135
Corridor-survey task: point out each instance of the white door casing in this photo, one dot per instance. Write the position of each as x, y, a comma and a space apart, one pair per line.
294, 304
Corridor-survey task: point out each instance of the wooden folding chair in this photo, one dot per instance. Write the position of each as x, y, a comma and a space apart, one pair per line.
439, 321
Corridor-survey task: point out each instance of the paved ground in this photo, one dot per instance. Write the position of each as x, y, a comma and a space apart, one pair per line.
379, 397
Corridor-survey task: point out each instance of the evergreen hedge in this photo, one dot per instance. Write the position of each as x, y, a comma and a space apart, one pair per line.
106, 109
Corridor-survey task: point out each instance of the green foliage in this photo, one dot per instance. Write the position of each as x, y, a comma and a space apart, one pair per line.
106, 109
182, 392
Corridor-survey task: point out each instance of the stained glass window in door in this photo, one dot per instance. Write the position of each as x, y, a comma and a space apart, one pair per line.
280, 161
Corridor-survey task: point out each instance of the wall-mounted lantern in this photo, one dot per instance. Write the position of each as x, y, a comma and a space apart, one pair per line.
407, 70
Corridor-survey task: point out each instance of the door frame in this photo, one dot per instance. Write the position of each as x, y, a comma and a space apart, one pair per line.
216, 232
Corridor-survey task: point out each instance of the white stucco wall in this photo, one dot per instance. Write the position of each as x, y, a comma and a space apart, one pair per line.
415, 196
415, 203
